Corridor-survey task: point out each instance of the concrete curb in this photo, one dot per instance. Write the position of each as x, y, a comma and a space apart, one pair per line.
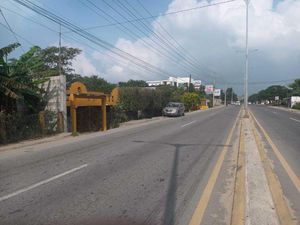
285, 109
31, 142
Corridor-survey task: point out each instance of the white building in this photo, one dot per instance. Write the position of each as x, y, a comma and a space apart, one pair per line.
176, 81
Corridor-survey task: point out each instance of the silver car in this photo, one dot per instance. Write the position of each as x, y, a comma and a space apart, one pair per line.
174, 109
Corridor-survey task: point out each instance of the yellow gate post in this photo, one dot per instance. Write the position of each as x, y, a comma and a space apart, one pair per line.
103, 113
73, 119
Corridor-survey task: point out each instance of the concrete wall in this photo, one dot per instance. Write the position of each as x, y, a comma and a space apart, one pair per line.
56, 96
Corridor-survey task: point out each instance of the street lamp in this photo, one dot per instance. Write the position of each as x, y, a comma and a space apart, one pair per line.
246, 58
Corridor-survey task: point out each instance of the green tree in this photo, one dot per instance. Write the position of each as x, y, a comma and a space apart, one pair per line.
254, 98
295, 87
133, 83
7, 83
95, 83
50, 57
190, 100
17, 83
229, 95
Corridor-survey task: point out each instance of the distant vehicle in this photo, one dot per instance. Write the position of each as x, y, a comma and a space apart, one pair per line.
174, 109
237, 103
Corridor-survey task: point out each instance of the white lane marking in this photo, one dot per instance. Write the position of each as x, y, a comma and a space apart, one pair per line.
41, 183
295, 119
188, 123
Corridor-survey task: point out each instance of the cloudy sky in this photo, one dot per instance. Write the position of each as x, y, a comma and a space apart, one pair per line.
207, 42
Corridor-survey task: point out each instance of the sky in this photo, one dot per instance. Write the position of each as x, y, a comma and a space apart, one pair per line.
207, 42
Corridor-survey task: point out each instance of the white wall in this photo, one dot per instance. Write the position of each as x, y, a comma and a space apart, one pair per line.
56, 96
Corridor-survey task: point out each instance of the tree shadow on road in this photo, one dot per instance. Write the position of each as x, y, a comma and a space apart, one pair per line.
170, 203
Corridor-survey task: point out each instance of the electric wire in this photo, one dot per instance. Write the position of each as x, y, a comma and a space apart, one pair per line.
90, 37
11, 30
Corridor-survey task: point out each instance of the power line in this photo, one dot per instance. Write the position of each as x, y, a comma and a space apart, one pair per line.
162, 42
117, 60
127, 30
90, 37
29, 19
191, 57
11, 30
21, 37
96, 40
157, 35
161, 49
160, 15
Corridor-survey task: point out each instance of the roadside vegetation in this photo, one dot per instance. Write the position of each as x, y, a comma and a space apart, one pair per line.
22, 99
21, 95
284, 93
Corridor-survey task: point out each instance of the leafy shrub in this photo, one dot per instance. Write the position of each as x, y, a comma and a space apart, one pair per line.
296, 106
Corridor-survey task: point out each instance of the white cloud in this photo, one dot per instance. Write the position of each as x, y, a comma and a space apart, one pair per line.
82, 65
214, 34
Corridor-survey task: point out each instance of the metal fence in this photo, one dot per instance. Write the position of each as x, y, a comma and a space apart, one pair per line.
17, 127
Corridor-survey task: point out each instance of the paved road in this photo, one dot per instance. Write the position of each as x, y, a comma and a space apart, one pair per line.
148, 174
283, 127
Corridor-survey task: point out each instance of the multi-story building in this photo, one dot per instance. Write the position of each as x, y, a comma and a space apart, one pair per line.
176, 81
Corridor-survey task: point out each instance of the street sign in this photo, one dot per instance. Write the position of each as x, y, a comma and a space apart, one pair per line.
217, 92
209, 89
276, 98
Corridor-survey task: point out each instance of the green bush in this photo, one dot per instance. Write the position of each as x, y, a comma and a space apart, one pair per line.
296, 106
18, 127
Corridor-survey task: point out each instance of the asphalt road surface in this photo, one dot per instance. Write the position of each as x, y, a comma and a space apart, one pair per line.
152, 173
283, 128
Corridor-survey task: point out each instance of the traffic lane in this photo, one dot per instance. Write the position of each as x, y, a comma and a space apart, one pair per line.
34, 166
61, 147
283, 131
294, 116
146, 183
39, 169
290, 153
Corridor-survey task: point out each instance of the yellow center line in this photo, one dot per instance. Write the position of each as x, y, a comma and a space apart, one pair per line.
294, 178
238, 207
203, 202
281, 205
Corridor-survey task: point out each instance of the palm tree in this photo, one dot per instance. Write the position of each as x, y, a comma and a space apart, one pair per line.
17, 81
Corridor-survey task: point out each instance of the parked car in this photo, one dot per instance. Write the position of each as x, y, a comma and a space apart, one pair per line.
174, 109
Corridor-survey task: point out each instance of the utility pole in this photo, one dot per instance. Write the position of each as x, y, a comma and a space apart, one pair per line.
189, 82
231, 96
225, 101
59, 52
214, 94
246, 58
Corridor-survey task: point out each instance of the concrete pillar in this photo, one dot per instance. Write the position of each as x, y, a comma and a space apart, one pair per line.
73, 118
103, 114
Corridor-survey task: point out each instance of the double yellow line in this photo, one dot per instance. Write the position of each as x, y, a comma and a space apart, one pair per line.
294, 178
238, 209
283, 212
203, 202
239, 198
